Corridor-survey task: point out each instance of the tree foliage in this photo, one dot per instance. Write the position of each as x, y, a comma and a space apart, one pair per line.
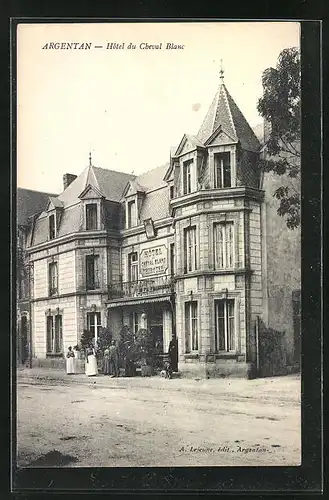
145, 350
280, 107
104, 339
138, 348
86, 339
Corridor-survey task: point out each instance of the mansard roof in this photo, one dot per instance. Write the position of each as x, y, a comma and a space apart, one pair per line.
224, 111
150, 180
153, 179
109, 183
30, 202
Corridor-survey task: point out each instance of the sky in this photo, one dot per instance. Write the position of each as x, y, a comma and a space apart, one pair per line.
128, 107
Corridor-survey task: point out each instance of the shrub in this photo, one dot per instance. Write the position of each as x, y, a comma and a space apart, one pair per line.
86, 339
104, 339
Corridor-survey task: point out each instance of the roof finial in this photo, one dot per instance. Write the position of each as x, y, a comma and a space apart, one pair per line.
221, 72
90, 164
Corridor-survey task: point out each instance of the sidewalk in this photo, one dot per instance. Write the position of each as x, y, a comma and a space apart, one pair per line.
284, 388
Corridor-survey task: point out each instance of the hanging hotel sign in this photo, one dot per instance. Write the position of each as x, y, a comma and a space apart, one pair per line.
153, 260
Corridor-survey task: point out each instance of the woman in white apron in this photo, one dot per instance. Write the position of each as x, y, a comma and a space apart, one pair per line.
91, 362
70, 361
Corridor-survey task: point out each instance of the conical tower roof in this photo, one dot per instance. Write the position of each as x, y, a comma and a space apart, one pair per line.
224, 112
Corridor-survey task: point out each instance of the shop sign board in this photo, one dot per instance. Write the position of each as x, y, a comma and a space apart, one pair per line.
153, 261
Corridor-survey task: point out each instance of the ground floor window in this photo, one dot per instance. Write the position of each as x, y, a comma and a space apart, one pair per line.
191, 327
225, 325
94, 323
54, 334
134, 322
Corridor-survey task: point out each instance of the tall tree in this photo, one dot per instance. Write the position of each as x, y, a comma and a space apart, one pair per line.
280, 107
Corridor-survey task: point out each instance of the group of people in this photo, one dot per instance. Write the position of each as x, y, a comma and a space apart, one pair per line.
110, 361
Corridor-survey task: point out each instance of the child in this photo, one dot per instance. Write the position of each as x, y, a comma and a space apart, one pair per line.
167, 369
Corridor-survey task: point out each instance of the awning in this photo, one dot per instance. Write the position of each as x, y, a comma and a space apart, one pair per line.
135, 301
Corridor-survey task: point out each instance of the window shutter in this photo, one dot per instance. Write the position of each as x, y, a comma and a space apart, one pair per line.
96, 271
229, 245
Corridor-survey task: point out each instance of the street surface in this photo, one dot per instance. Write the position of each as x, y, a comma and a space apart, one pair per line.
89, 422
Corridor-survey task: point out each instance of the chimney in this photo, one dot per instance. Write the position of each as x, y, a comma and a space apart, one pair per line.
68, 179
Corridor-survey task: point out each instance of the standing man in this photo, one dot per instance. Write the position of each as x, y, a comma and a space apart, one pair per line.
173, 354
106, 362
114, 359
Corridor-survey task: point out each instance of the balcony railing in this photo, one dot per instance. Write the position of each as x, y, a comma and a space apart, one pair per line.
160, 285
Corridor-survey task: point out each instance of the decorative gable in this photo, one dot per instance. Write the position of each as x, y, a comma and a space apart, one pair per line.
91, 193
169, 174
185, 147
220, 138
132, 188
53, 203
188, 143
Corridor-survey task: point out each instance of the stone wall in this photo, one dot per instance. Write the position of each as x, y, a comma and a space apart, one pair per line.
68, 310
282, 266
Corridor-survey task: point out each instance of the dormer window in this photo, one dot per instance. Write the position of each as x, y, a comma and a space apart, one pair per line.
91, 216
52, 227
131, 213
187, 176
222, 170
171, 192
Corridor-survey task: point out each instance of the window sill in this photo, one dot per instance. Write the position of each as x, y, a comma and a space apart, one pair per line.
190, 355
226, 355
54, 355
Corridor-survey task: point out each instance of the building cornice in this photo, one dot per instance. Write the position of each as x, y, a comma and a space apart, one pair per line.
70, 294
212, 211
213, 272
81, 235
217, 194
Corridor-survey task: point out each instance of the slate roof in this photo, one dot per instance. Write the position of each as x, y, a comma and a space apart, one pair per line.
224, 111
153, 178
194, 140
156, 204
56, 202
110, 183
30, 202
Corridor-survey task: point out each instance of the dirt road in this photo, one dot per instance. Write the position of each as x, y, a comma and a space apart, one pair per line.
156, 422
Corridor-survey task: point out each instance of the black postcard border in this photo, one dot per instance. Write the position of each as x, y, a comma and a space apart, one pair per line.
308, 478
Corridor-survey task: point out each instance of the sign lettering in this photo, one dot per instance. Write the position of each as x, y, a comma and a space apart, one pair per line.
153, 260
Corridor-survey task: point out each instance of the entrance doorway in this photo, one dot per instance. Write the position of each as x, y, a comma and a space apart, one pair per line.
156, 327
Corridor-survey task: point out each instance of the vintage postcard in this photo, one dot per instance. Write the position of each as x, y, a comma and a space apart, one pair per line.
158, 244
